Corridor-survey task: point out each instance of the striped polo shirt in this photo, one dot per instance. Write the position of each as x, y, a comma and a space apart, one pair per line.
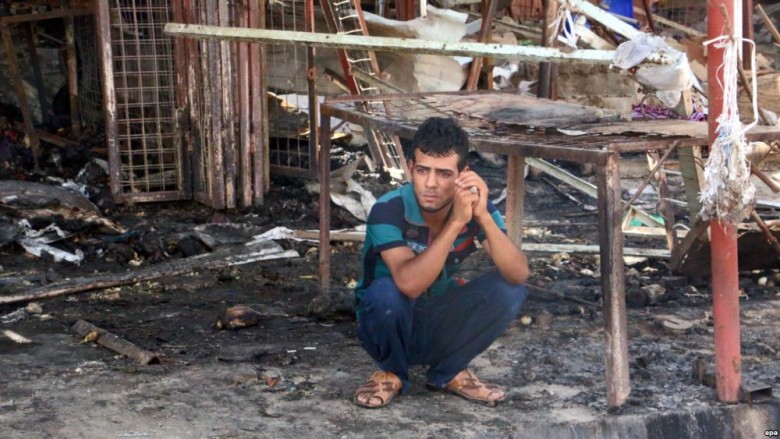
395, 220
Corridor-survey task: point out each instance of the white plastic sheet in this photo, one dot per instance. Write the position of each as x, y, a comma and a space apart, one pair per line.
666, 80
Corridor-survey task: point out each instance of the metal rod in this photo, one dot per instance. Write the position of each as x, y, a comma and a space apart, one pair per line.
725, 274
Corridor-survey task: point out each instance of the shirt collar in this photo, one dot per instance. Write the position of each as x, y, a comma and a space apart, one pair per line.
411, 207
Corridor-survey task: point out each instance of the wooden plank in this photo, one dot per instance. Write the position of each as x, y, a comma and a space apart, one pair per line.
692, 168
526, 110
545, 88
71, 62
768, 23
672, 24
488, 15
182, 134
388, 44
36, 68
324, 200
59, 13
105, 55
197, 131
258, 138
613, 283
515, 197
216, 166
244, 113
115, 343
227, 132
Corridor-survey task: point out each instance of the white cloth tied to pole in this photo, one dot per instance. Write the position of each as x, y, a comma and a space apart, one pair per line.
728, 194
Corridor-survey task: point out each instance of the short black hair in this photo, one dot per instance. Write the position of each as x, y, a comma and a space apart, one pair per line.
440, 137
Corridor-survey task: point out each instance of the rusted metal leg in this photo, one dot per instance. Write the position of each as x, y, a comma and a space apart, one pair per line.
324, 175
515, 196
613, 282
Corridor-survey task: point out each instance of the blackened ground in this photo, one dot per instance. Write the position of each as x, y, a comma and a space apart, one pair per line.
293, 375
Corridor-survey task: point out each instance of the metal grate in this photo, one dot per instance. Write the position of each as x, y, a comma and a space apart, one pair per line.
143, 147
292, 147
90, 85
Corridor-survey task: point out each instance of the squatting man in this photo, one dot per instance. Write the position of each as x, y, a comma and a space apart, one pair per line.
412, 309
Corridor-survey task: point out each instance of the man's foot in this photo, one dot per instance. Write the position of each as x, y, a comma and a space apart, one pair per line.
378, 391
468, 386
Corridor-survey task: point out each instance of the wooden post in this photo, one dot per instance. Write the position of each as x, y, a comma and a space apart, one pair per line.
547, 70
244, 112
227, 132
725, 274
13, 64
488, 15
613, 281
324, 176
259, 148
747, 32
182, 138
515, 197
73, 76
214, 110
109, 94
691, 164
46, 112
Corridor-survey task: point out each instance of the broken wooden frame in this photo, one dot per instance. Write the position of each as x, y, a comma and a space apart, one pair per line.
9, 48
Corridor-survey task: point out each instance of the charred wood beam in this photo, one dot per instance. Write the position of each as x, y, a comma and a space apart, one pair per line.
92, 333
216, 260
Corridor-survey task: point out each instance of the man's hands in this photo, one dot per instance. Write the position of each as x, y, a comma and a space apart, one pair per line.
469, 202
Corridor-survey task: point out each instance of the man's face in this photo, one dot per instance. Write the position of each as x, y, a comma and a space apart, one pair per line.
434, 180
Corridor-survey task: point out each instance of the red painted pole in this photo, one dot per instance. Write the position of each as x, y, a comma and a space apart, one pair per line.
723, 237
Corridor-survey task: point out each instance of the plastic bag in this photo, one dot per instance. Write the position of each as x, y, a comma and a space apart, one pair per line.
666, 80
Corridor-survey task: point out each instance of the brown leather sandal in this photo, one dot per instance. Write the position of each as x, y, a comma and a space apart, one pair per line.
468, 386
378, 391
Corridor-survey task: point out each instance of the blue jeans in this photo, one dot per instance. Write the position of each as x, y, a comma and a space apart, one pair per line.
444, 332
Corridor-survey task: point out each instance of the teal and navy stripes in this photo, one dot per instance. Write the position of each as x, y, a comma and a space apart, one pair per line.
395, 220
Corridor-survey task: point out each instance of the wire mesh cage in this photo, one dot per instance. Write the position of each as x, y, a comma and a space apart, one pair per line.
144, 150
291, 94
90, 85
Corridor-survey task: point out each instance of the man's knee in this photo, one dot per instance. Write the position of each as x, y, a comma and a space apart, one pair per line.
511, 296
384, 298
